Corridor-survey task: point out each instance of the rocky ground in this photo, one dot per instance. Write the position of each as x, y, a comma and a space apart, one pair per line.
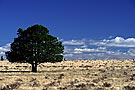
69, 75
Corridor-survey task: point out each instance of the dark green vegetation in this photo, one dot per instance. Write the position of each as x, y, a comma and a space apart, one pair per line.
34, 45
2, 58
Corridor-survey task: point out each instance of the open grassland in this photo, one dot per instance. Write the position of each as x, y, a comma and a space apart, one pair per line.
69, 75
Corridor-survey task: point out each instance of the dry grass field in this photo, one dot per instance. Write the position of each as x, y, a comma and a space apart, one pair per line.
69, 75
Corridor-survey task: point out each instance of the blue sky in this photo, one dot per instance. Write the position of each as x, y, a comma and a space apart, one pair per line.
111, 22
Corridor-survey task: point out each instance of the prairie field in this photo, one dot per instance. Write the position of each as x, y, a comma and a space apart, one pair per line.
69, 75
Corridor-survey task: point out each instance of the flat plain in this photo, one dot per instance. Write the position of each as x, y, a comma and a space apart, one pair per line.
69, 75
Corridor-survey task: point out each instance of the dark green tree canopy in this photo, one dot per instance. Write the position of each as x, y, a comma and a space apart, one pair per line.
35, 45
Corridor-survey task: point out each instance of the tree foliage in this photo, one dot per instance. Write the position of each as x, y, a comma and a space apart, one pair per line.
35, 45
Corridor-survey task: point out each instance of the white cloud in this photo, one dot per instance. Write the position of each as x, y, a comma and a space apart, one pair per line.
68, 55
99, 49
88, 50
77, 52
84, 46
4, 49
116, 42
67, 50
2, 53
131, 52
74, 42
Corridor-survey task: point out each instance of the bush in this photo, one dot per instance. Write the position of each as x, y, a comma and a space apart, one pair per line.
129, 87
107, 84
12, 86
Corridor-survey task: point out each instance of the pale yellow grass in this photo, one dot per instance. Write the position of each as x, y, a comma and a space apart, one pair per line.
69, 75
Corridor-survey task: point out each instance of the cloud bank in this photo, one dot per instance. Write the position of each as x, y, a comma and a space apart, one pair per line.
116, 48
117, 42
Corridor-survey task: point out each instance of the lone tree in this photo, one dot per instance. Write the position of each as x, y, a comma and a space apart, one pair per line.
34, 45
2, 58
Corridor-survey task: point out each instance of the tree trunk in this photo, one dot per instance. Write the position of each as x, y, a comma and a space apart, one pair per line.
34, 67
